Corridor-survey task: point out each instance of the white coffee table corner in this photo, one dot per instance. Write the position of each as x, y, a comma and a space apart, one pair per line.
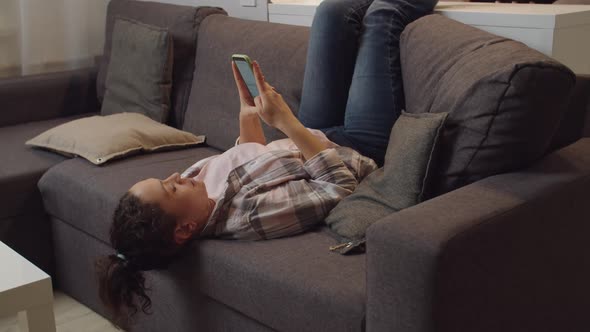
25, 289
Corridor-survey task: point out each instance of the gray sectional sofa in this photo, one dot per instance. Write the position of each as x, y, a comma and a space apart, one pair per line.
508, 252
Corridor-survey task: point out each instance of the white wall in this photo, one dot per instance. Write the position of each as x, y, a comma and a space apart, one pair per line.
35, 34
232, 7
46, 35
65, 31
9, 38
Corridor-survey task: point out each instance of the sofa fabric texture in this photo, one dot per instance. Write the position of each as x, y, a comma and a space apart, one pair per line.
139, 77
575, 122
399, 184
22, 165
214, 104
182, 22
504, 100
506, 253
538, 239
50, 96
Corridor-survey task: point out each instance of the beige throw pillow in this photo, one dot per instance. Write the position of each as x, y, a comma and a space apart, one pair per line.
102, 138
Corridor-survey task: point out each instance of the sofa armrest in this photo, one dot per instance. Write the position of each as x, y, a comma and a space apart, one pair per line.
47, 96
507, 253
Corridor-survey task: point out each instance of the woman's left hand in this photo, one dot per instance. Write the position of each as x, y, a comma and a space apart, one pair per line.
247, 106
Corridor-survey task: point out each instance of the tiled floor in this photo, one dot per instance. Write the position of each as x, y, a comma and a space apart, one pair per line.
70, 316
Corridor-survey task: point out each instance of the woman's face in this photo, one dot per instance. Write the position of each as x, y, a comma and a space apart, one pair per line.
184, 198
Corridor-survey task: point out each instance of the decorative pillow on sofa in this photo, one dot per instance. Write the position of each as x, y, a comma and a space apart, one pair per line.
139, 78
102, 138
182, 23
399, 184
505, 100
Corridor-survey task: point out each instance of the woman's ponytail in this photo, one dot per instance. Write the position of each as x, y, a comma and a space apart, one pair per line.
142, 235
121, 287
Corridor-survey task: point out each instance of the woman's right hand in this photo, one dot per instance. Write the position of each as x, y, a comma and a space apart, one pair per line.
272, 108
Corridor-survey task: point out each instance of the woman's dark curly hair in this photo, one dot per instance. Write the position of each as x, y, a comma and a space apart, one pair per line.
144, 235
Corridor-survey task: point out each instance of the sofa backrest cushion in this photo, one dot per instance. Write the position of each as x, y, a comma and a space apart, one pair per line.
214, 102
504, 99
182, 22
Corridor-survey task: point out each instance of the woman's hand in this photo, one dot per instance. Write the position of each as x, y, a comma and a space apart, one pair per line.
248, 107
250, 126
271, 107
275, 112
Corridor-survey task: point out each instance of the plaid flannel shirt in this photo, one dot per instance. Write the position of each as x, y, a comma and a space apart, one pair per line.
278, 194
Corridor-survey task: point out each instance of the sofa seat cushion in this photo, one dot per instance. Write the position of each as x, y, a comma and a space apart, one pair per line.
22, 165
289, 284
85, 195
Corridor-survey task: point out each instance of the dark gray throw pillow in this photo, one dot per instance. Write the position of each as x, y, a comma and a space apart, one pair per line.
399, 184
139, 77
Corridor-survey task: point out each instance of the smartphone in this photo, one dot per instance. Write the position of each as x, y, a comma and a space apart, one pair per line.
244, 65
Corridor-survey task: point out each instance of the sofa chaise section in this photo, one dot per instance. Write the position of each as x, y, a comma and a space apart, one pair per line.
30, 105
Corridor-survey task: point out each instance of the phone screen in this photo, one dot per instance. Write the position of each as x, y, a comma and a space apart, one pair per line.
248, 76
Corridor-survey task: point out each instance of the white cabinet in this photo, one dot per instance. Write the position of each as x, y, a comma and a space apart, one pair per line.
296, 12
560, 31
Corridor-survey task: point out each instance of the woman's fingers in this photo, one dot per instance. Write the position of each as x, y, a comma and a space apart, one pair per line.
261, 83
259, 77
258, 102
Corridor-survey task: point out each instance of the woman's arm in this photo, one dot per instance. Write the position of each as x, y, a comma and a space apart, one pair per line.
308, 144
250, 126
251, 129
275, 112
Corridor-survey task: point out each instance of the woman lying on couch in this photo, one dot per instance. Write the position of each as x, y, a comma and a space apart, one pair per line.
255, 190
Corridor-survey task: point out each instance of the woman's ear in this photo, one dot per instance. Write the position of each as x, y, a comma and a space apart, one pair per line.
184, 230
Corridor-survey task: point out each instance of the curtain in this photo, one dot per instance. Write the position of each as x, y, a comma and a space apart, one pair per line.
50, 35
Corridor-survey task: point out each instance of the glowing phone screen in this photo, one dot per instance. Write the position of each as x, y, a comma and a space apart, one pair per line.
248, 77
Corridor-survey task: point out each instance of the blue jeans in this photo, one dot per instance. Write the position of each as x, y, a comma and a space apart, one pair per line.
352, 86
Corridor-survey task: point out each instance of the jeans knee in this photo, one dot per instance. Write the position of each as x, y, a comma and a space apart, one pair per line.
331, 10
404, 11
340, 11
